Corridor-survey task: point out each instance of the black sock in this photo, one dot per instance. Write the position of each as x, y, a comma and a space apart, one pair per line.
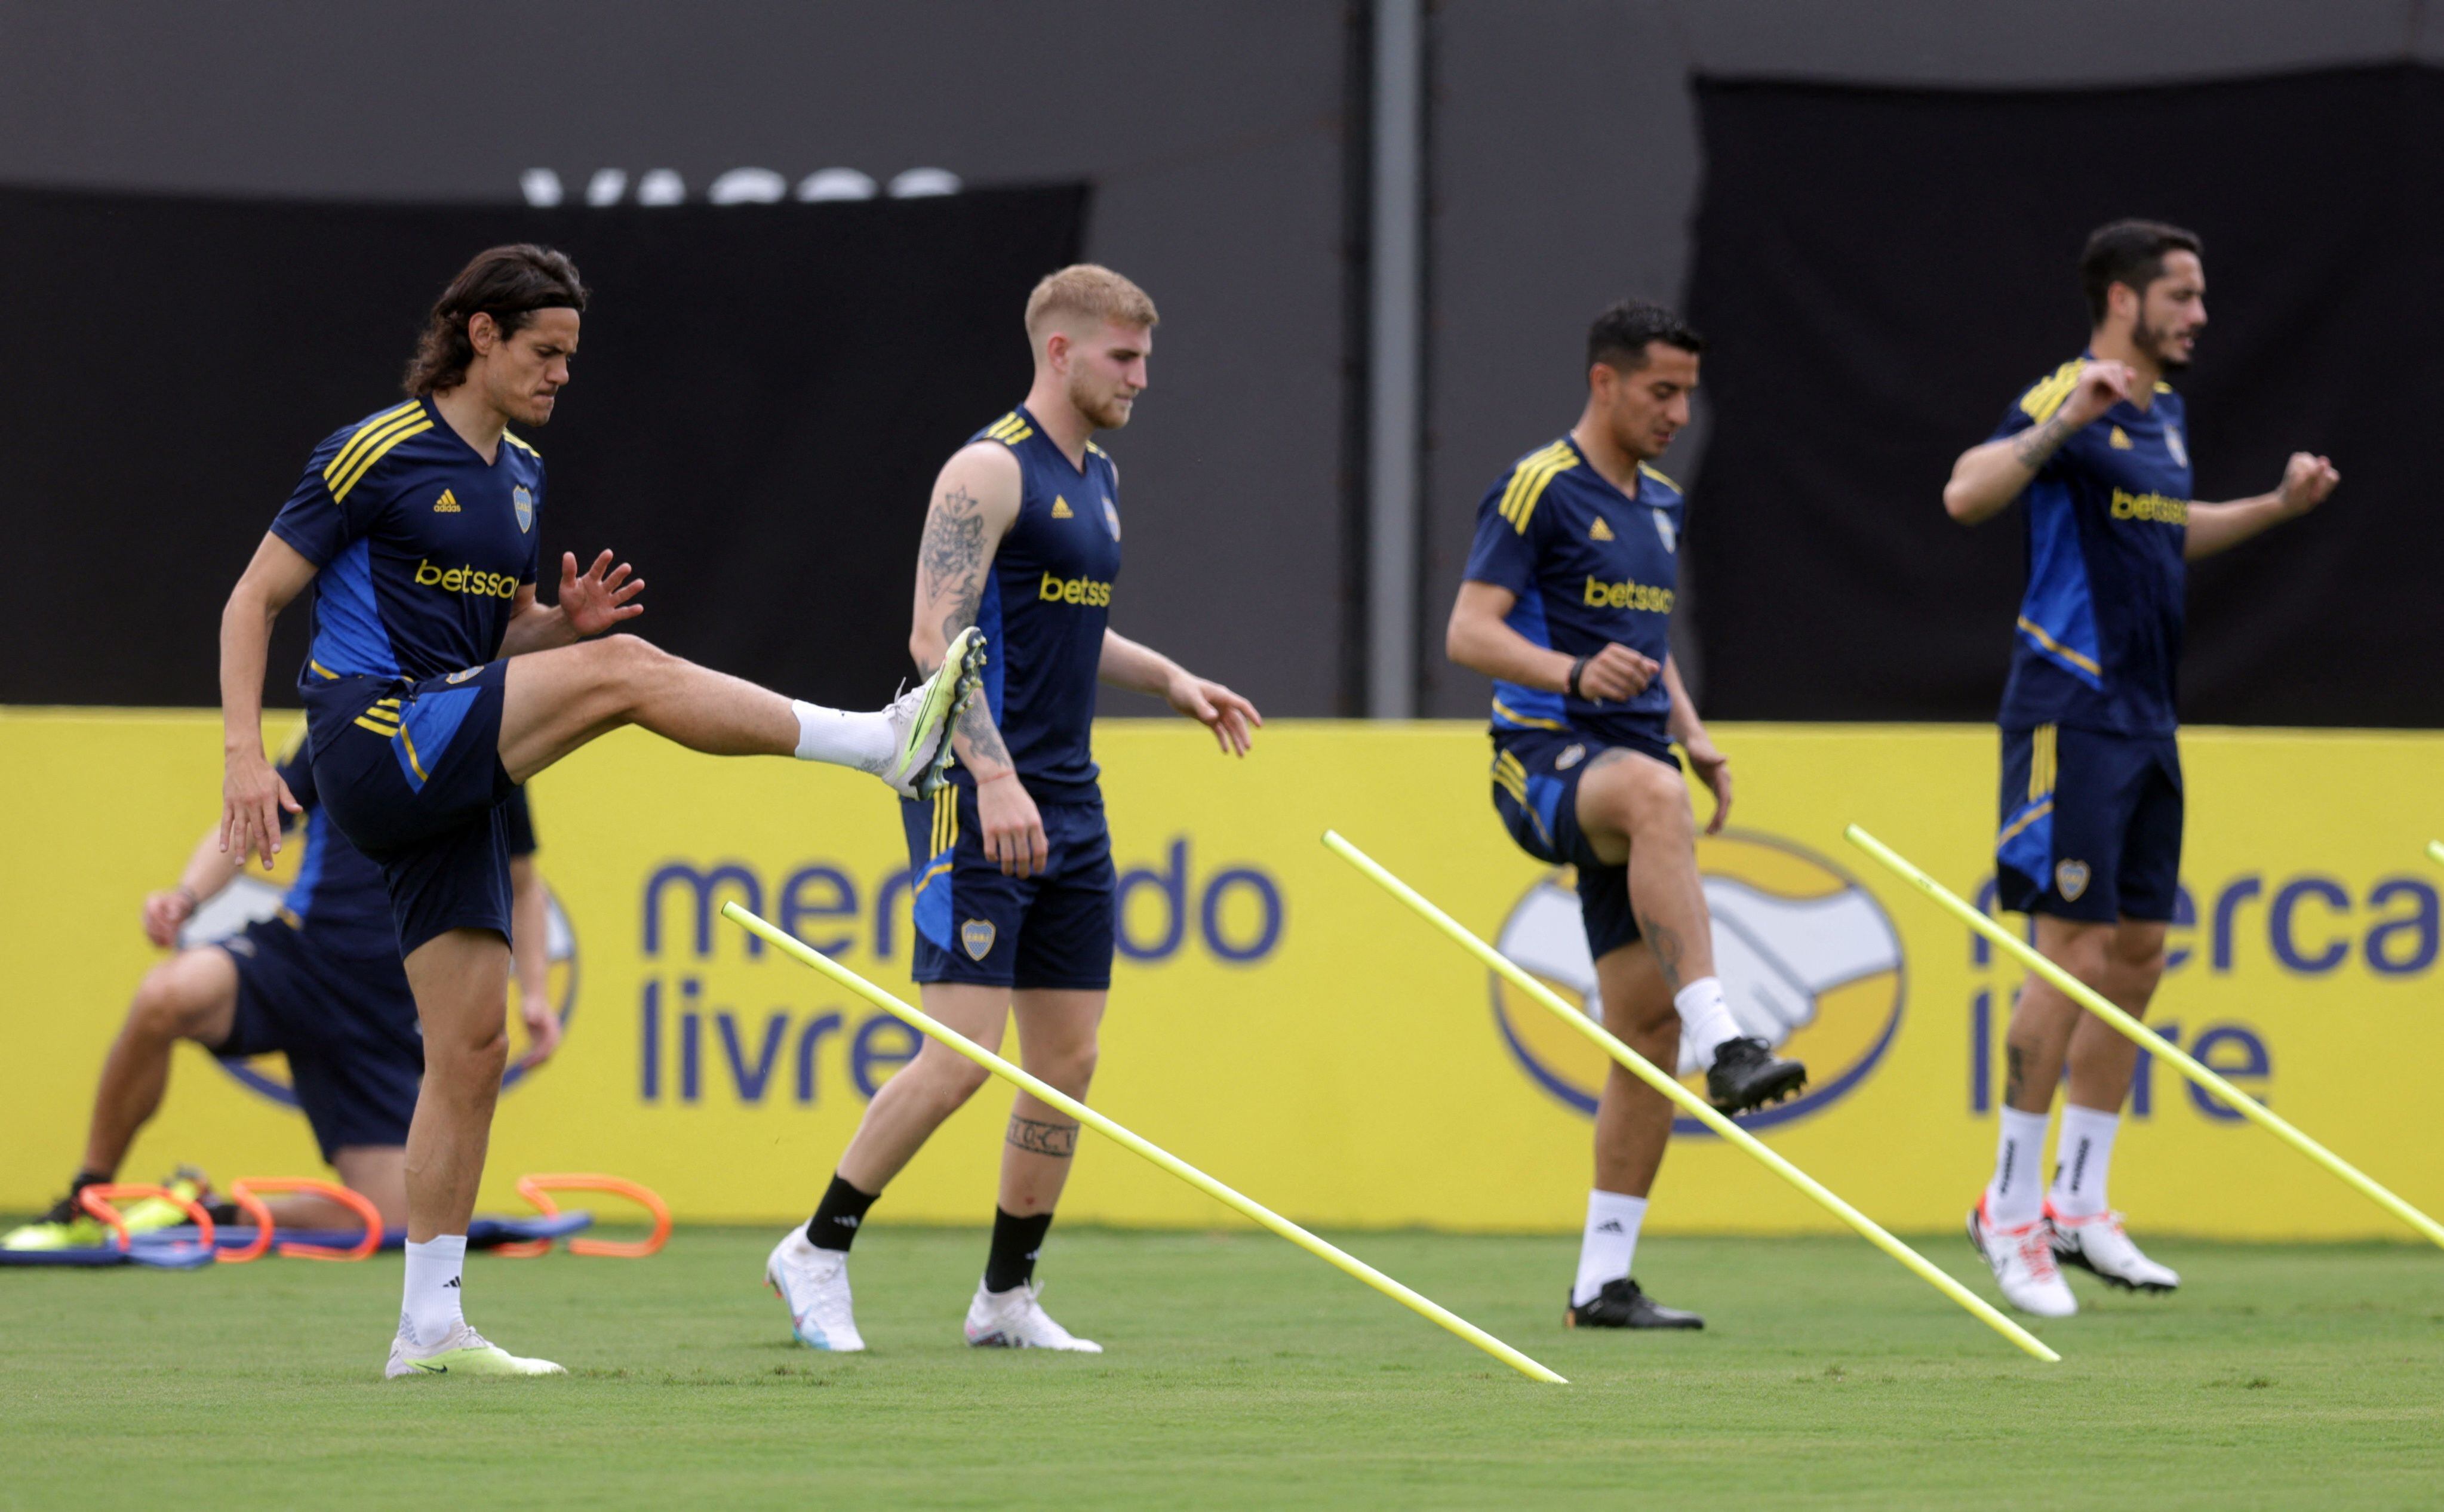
87, 1178
839, 1216
1016, 1243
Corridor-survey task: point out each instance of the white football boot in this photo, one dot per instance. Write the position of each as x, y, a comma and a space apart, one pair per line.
923, 717
2100, 1246
814, 1284
2023, 1258
462, 1352
1014, 1319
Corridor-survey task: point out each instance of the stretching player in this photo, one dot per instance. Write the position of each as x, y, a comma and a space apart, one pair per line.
1013, 900
1566, 605
318, 981
436, 684
2090, 840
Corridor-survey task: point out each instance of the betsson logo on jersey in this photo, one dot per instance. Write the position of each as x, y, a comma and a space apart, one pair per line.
469, 579
2155, 507
1085, 591
1601, 594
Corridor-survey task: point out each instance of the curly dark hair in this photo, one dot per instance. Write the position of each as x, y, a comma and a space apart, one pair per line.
509, 284
1620, 336
2131, 253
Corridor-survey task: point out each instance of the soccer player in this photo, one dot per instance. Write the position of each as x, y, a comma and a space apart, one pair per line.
2090, 838
1565, 605
1014, 898
436, 684
318, 981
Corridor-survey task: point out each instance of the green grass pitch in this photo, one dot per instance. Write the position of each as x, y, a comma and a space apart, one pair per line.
1240, 1373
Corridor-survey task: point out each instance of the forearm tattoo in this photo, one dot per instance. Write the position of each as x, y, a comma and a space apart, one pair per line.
1667, 947
2030, 448
951, 566
1038, 1136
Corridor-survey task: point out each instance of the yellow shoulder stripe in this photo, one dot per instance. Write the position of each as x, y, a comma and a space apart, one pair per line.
379, 447
1011, 429
2047, 395
1659, 478
1528, 481
520, 443
366, 434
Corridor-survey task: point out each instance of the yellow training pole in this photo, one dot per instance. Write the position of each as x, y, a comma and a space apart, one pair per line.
2096, 1002
1046, 1091
1644, 1070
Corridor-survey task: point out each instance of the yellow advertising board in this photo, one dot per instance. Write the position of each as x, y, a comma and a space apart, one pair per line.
1280, 1022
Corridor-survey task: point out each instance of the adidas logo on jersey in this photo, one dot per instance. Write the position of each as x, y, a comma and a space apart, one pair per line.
2120, 439
1602, 530
446, 503
1060, 509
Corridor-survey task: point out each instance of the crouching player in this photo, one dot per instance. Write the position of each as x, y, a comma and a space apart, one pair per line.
1566, 605
318, 981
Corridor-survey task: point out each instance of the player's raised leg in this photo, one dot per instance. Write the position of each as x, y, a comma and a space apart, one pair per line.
1632, 1126
1635, 809
556, 700
1057, 1042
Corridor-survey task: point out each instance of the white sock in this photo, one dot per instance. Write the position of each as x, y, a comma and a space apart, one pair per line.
1610, 1242
1706, 1024
2017, 1193
863, 741
2081, 1157
435, 1279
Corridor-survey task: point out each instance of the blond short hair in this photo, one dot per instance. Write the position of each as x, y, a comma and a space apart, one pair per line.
1086, 288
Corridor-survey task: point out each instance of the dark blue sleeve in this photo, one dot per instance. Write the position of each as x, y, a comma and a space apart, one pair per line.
313, 521
296, 769
1501, 554
534, 542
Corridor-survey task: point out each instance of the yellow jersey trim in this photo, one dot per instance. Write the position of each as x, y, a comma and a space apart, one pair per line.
1528, 481
2036, 632
2042, 761
1009, 430
2047, 394
358, 442
520, 443
2024, 820
1504, 712
398, 430
1658, 475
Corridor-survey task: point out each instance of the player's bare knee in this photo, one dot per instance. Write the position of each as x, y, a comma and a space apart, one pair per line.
167, 1004
1070, 1068
1649, 801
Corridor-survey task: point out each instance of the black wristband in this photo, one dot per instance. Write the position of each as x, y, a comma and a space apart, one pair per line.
1576, 668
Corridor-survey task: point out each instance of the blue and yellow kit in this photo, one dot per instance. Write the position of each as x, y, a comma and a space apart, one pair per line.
2091, 806
1046, 605
1591, 566
320, 983
423, 547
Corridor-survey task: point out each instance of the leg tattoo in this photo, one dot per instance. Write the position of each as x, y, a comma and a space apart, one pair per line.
1041, 1137
1667, 948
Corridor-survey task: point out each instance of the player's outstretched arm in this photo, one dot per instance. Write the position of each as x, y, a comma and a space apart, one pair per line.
1143, 669
975, 502
1713, 768
1480, 638
209, 869
252, 795
2306, 480
1987, 478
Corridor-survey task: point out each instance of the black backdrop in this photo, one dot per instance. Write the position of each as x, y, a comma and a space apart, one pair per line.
760, 402
1880, 271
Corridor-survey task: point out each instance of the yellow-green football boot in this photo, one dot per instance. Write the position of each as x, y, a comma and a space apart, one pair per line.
66, 1227
463, 1352
923, 717
146, 1214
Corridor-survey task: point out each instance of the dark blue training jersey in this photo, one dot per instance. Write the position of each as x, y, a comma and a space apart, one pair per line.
1045, 608
2099, 645
1592, 567
422, 546
338, 902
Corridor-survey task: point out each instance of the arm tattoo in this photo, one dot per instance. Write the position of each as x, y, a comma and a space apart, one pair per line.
2013, 1077
2032, 446
950, 565
1038, 1136
1667, 947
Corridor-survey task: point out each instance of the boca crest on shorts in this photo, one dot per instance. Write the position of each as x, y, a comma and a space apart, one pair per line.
975, 924
2090, 824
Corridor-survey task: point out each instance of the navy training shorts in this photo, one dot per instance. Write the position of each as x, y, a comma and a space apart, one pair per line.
975, 925
412, 774
347, 1023
1536, 777
2091, 824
